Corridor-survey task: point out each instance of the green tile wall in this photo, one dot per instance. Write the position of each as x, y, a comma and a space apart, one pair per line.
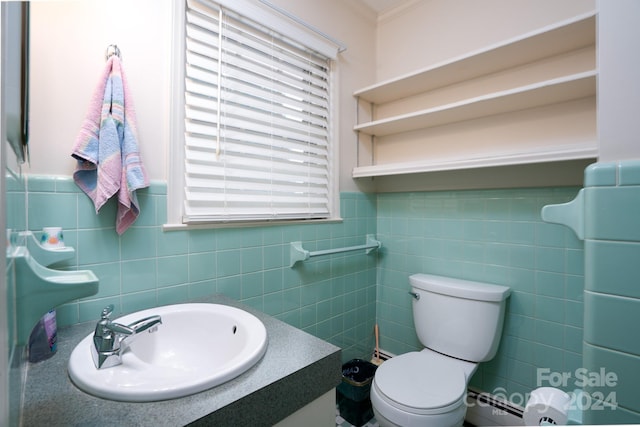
332, 297
612, 298
16, 208
494, 236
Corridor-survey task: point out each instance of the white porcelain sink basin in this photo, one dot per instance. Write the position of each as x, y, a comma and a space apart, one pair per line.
197, 346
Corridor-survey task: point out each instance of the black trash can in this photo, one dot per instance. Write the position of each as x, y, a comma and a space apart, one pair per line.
353, 392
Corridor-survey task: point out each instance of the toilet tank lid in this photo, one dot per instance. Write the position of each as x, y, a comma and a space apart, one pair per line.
459, 288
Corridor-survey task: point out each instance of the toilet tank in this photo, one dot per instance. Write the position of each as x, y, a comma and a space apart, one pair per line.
459, 318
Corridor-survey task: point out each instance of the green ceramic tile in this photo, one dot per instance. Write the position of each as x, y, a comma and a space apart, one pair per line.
522, 208
609, 417
520, 372
613, 267
550, 235
516, 348
551, 259
229, 286
550, 309
522, 327
202, 241
497, 231
273, 303
272, 236
272, 280
574, 261
522, 303
132, 302
173, 295
161, 209
228, 263
147, 205
40, 183
523, 233
98, 246
620, 376
574, 312
173, 270
66, 184
252, 285
347, 207
139, 275
229, 238
607, 322
549, 333
629, 172
90, 310
138, 242
572, 361
206, 288
600, 174
172, 242
251, 259
202, 266
550, 284
67, 314
109, 276
251, 237
574, 288
614, 213
53, 210
157, 188
548, 357
573, 339
522, 256
87, 217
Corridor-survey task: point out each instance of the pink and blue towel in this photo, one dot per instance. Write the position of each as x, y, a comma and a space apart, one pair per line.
109, 162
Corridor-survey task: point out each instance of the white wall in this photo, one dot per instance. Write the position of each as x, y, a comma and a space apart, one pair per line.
427, 32
68, 42
619, 79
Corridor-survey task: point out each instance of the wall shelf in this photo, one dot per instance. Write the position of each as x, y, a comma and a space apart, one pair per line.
566, 36
550, 66
587, 150
548, 92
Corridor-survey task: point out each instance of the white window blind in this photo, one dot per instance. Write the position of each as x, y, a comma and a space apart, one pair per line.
257, 106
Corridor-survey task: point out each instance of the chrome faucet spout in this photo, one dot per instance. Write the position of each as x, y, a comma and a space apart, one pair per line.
111, 339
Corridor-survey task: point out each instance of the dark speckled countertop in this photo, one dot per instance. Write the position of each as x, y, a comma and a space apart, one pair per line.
296, 369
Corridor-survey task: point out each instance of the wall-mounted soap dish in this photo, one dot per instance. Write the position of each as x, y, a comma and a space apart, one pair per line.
46, 256
39, 289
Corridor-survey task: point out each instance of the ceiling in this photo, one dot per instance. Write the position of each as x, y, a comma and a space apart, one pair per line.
381, 6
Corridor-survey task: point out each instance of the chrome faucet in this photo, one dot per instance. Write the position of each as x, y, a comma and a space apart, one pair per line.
111, 339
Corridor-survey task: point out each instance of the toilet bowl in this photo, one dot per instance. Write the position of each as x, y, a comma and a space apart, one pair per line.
459, 322
434, 396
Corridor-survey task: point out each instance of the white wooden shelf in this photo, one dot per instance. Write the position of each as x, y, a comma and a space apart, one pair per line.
586, 150
554, 46
549, 92
562, 37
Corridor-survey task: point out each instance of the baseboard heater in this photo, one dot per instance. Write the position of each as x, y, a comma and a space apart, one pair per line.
485, 409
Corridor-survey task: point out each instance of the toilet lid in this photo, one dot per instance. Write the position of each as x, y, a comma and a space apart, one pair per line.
421, 381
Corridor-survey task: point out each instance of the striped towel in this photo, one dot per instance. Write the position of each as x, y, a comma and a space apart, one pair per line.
107, 149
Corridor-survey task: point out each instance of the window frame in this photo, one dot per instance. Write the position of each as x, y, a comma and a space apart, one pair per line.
263, 12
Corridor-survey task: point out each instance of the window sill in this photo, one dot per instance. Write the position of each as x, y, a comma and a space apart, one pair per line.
247, 224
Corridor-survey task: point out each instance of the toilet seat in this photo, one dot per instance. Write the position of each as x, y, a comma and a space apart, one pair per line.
421, 383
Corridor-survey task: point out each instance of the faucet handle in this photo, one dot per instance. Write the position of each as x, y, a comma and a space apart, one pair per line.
106, 312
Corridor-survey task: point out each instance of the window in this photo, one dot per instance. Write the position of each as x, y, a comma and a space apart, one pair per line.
255, 134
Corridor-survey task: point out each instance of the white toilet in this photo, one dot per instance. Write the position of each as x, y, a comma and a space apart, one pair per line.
460, 324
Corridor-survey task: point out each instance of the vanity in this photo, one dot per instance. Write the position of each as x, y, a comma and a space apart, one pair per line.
297, 374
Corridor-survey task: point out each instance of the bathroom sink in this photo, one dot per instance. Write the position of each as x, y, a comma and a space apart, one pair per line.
197, 347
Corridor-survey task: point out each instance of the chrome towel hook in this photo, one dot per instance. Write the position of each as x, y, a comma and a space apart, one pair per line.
112, 49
